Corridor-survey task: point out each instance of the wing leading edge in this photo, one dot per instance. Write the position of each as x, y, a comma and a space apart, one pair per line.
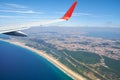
14, 29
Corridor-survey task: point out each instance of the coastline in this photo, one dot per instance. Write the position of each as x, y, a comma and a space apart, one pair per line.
51, 59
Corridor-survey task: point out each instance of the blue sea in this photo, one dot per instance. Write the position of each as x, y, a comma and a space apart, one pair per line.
17, 63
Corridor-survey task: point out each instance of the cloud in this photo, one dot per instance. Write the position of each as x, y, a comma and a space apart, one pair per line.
2, 16
90, 14
21, 11
83, 14
16, 8
14, 5
7, 16
21, 17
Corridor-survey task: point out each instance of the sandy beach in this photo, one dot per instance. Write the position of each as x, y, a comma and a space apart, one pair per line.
51, 59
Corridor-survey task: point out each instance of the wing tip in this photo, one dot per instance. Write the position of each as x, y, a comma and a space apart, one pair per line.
69, 13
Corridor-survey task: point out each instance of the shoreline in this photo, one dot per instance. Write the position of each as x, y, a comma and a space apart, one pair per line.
51, 59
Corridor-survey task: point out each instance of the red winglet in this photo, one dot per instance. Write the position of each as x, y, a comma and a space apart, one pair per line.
68, 14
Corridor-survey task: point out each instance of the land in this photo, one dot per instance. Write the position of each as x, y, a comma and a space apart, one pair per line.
94, 58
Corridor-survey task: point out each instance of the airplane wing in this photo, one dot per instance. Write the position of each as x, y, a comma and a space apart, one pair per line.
14, 29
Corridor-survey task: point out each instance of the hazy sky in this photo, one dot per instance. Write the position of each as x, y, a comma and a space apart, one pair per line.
87, 12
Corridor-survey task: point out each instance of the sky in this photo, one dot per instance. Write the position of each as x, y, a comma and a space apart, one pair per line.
99, 13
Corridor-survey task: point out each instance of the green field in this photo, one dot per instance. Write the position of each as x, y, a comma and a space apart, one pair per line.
113, 64
85, 57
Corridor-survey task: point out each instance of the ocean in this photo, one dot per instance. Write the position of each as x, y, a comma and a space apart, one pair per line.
17, 63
